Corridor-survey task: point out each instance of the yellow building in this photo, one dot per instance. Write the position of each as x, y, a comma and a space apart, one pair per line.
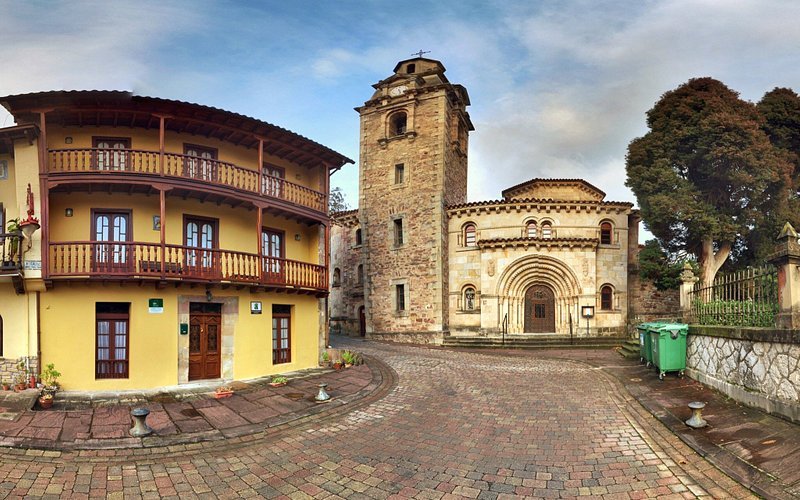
178, 242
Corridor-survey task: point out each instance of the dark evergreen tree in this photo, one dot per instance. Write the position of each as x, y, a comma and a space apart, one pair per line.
706, 175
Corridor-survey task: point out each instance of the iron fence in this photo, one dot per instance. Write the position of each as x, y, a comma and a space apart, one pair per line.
743, 298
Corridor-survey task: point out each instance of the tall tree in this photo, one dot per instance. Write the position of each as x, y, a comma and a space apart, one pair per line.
780, 108
336, 201
706, 174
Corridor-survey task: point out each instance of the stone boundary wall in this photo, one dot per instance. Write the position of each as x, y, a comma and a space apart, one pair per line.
434, 338
756, 366
9, 371
648, 304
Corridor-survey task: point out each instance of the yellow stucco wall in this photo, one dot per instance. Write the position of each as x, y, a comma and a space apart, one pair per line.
68, 334
19, 322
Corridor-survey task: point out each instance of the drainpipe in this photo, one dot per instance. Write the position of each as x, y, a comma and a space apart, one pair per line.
39, 332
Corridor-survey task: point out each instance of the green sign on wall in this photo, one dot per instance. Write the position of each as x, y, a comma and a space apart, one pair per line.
155, 306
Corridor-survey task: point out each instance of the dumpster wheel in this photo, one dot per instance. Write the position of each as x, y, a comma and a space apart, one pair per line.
661, 376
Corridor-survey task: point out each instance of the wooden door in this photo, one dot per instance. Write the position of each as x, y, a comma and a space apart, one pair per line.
272, 247
362, 322
111, 153
205, 340
540, 310
202, 257
111, 252
200, 163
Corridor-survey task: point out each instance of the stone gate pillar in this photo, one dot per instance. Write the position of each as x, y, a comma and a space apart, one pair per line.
786, 258
688, 280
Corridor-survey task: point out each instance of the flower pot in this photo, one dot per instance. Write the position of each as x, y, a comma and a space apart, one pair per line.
6, 387
45, 403
20, 387
223, 394
277, 384
337, 365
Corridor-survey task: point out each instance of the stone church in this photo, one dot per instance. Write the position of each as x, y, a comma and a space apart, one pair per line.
416, 262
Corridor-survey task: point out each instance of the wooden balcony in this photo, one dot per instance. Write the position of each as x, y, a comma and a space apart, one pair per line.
137, 260
199, 171
10, 252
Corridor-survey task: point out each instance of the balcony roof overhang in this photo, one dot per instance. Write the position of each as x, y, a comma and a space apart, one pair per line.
78, 108
19, 132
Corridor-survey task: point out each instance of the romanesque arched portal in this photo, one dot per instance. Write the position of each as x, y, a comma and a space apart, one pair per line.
553, 281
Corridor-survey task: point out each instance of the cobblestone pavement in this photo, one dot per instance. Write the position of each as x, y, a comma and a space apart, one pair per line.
456, 424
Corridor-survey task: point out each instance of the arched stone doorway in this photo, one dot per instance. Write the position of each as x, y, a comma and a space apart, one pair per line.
540, 310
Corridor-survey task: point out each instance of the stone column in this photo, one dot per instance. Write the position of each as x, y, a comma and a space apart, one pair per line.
786, 258
688, 280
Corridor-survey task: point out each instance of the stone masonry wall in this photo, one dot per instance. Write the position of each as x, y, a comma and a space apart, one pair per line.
9, 370
762, 374
647, 303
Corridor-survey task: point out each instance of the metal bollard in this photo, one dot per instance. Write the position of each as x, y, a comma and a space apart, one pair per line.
322, 396
140, 427
696, 420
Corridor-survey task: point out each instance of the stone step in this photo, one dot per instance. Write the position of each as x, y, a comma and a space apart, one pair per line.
630, 349
537, 341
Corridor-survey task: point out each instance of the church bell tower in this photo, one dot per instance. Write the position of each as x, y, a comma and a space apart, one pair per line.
413, 163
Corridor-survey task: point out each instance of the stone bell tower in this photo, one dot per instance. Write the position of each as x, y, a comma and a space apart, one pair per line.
413, 163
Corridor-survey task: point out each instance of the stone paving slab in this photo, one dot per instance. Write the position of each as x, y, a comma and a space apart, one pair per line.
759, 450
191, 416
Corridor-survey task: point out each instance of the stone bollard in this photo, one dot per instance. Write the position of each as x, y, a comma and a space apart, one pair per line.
322, 396
696, 420
140, 427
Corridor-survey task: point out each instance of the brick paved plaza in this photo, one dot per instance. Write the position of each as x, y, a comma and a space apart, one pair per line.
451, 424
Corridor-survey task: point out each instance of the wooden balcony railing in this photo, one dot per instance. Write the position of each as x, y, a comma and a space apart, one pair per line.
10, 252
204, 170
137, 260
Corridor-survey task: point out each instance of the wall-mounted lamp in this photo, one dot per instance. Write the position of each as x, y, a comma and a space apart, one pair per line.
209, 297
67, 140
296, 236
68, 212
31, 224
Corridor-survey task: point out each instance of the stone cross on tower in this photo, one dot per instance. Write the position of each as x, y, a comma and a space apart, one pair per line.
419, 54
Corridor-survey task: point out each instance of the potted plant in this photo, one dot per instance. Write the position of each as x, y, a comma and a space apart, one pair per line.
46, 401
6, 385
13, 244
326, 358
347, 357
278, 381
223, 391
21, 381
21, 378
50, 379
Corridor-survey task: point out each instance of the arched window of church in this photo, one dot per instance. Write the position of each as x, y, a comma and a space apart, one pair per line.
358, 236
606, 298
360, 274
337, 277
547, 230
470, 237
397, 123
469, 298
605, 233
531, 229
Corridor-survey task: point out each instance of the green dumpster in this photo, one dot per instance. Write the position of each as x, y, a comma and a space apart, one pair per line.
645, 349
668, 345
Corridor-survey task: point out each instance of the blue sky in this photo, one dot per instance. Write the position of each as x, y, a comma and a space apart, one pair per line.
558, 88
